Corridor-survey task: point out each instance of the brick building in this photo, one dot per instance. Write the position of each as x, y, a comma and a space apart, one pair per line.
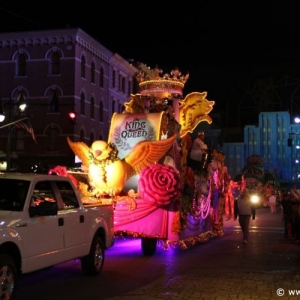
57, 72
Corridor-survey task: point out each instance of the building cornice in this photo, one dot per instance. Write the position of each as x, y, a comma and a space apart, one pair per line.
55, 37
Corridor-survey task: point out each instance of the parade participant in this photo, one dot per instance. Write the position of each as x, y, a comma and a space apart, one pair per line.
229, 200
273, 204
245, 210
295, 198
287, 214
199, 148
219, 186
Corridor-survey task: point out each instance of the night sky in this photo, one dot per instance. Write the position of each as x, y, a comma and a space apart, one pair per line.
225, 47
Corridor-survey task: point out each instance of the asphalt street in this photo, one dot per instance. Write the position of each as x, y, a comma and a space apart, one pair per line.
265, 268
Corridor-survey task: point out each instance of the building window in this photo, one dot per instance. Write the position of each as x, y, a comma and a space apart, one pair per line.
92, 72
55, 63
82, 66
113, 107
101, 80
121, 108
123, 85
101, 111
113, 78
120, 83
21, 65
54, 102
92, 108
129, 88
92, 138
82, 104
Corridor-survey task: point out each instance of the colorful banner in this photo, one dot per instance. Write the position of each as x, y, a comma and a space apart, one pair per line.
127, 130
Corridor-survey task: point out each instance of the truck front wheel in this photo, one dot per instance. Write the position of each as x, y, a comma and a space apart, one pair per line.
149, 246
92, 264
8, 277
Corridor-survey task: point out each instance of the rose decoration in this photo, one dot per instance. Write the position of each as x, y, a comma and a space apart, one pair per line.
58, 170
62, 171
159, 184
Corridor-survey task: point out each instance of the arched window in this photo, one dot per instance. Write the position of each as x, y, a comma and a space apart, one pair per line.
54, 102
92, 108
54, 63
113, 78
129, 88
21, 65
92, 72
101, 80
92, 138
101, 111
82, 104
113, 107
121, 108
123, 85
82, 66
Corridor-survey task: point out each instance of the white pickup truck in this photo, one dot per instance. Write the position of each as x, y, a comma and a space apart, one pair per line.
43, 222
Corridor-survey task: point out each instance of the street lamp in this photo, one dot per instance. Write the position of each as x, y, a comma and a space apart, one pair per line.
21, 106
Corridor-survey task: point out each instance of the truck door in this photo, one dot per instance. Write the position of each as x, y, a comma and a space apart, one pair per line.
45, 233
75, 218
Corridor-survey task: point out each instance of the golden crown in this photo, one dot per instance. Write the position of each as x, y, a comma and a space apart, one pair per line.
154, 82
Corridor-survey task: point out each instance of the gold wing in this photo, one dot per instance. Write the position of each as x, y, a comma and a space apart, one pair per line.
135, 105
147, 152
81, 150
193, 110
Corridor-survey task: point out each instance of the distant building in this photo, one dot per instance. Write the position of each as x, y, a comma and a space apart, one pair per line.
275, 139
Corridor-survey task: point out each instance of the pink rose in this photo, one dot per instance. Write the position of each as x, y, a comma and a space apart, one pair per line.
62, 171
58, 170
159, 184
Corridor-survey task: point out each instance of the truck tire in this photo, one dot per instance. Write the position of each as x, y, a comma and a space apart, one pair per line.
8, 277
149, 246
92, 264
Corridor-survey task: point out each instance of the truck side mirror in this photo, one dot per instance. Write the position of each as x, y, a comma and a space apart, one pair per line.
43, 209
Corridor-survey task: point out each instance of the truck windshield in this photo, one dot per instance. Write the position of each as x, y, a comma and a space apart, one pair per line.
13, 194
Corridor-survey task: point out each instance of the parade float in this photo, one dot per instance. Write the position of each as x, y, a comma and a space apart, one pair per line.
143, 167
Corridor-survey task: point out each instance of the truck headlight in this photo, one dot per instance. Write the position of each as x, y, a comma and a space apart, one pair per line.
254, 199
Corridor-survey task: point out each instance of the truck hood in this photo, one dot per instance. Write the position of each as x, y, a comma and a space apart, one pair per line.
5, 213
